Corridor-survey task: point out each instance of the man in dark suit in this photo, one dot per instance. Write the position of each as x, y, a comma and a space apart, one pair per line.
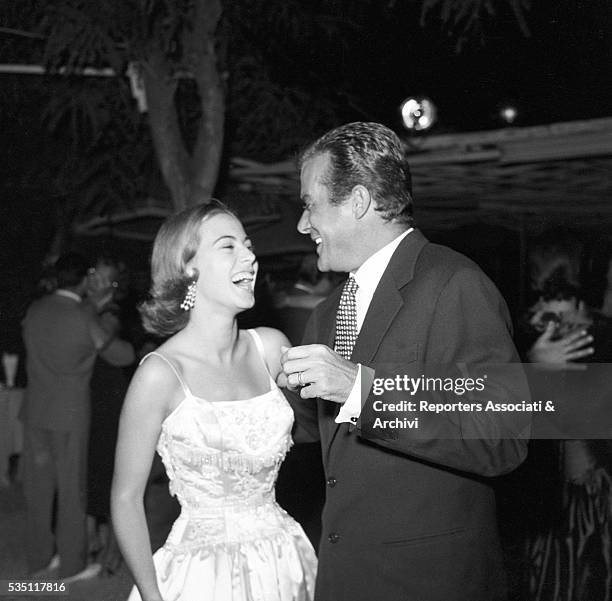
409, 514
63, 335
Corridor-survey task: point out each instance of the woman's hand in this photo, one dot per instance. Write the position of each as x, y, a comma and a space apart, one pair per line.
571, 347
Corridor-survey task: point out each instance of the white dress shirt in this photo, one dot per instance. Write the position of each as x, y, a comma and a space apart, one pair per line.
367, 277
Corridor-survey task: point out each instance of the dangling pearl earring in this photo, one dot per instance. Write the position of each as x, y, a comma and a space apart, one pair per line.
189, 300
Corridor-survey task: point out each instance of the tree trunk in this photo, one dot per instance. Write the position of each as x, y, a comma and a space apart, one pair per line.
170, 148
203, 61
190, 179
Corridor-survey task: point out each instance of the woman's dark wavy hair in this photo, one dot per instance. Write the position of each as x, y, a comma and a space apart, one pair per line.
70, 269
371, 155
175, 245
557, 287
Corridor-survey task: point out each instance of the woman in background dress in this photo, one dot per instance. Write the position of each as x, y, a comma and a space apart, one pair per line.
108, 385
569, 547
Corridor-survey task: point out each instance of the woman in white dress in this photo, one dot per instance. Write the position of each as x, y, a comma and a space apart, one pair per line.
207, 401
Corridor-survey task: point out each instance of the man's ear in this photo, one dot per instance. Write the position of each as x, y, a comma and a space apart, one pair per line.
361, 200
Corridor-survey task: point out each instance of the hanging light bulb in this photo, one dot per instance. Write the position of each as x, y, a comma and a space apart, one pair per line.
418, 114
508, 113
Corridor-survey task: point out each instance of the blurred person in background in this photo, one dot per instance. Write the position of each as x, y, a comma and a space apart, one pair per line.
567, 481
554, 260
63, 335
109, 382
295, 304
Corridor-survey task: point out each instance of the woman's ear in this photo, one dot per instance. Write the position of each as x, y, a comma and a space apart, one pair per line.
192, 272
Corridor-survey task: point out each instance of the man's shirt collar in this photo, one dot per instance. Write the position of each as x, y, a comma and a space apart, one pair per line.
371, 270
369, 273
68, 294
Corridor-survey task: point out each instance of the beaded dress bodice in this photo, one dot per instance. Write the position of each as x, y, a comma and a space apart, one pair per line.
225, 451
222, 459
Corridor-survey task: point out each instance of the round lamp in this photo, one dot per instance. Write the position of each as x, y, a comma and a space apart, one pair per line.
418, 114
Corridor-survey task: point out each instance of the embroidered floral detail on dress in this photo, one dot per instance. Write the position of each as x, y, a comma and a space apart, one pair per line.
225, 451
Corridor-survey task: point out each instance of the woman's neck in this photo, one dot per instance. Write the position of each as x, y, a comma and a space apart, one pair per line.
217, 334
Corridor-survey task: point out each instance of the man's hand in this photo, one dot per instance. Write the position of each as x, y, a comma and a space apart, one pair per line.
319, 371
101, 298
101, 328
560, 352
110, 323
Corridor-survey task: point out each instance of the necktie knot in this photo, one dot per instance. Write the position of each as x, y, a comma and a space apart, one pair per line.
346, 320
351, 286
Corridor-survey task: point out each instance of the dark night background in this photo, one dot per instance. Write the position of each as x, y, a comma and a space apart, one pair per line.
560, 71
377, 54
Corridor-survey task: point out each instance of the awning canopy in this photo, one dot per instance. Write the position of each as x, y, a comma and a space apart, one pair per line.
524, 179
557, 174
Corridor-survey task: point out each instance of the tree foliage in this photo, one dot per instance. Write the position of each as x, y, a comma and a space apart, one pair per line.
269, 72
465, 19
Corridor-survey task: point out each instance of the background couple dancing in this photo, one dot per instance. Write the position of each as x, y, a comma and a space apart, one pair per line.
405, 518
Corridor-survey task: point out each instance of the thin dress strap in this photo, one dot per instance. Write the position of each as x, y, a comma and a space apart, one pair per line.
260, 349
172, 367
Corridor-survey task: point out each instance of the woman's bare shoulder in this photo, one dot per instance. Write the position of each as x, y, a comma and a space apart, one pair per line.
155, 383
274, 343
272, 337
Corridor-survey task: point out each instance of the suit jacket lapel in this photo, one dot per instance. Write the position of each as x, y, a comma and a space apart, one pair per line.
385, 304
328, 318
327, 328
387, 300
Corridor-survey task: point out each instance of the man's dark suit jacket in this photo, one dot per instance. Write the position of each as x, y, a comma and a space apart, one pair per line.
411, 519
60, 359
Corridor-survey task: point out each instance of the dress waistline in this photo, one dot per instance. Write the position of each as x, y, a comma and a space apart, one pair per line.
225, 507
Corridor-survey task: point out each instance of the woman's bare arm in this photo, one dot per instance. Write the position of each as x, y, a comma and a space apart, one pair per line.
146, 405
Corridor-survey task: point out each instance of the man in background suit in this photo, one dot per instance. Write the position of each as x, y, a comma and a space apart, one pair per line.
63, 335
409, 515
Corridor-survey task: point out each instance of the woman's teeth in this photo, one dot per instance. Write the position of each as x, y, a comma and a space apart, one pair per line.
244, 280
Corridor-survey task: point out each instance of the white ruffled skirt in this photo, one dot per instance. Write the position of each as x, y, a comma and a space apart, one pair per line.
253, 554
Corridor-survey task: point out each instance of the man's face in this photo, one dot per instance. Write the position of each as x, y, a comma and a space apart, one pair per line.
102, 279
330, 226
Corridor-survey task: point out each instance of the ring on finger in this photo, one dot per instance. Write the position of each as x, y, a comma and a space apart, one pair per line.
300, 380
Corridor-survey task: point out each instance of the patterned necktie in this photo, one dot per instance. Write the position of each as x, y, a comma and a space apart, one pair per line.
346, 320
